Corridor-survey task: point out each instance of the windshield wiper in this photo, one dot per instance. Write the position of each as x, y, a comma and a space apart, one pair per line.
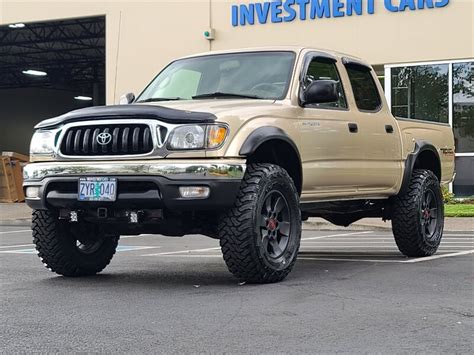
156, 99
224, 94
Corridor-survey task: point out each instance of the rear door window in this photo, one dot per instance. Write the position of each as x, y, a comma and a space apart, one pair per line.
365, 90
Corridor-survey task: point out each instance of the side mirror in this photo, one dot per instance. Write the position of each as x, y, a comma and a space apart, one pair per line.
319, 92
127, 98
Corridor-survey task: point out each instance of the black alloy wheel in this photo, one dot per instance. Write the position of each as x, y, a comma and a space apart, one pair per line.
275, 224
429, 214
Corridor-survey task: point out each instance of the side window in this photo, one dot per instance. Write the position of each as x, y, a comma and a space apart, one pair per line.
365, 91
321, 69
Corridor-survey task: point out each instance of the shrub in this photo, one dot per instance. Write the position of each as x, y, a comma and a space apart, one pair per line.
448, 197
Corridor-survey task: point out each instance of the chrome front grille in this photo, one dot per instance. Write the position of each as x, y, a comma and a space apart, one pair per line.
107, 139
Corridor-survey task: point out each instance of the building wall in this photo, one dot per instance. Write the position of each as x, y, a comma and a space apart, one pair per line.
143, 36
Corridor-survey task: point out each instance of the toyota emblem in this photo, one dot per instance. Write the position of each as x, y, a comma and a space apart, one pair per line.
104, 138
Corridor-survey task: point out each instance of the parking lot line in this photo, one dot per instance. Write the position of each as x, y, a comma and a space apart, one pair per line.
459, 236
336, 235
120, 248
439, 256
347, 259
355, 246
385, 243
18, 231
20, 251
136, 236
16, 246
182, 251
338, 241
415, 260
187, 251
382, 247
192, 255
383, 240
443, 242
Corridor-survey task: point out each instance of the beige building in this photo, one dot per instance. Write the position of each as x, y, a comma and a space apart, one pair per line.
94, 51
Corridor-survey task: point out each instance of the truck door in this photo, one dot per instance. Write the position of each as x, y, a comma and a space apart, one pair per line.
330, 153
379, 147
351, 147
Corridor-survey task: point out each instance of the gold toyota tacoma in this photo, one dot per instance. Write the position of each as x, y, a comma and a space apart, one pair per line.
240, 146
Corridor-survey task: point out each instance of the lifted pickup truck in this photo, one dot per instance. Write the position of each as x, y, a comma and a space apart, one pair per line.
240, 146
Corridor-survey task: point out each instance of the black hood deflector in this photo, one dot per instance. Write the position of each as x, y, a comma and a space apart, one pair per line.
165, 114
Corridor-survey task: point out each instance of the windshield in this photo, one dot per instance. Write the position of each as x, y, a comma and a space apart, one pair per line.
257, 75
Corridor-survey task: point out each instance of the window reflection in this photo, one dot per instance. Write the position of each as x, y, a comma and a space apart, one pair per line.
421, 92
463, 126
463, 107
464, 183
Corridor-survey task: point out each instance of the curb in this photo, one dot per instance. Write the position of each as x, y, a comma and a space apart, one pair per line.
356, 226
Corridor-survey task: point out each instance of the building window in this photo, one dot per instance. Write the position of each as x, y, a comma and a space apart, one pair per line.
463, 126
421, 92
463, 184
463, 106
425, 92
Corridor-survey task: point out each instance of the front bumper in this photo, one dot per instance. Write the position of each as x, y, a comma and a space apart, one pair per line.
141, 184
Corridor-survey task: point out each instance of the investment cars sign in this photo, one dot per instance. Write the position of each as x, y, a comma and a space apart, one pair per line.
303, 10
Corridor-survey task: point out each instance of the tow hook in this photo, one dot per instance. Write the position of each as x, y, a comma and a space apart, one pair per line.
133, 216
73, 216
70, 216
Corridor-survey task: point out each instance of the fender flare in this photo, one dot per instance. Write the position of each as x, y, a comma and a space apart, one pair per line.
266, 134
420, 147
262, 135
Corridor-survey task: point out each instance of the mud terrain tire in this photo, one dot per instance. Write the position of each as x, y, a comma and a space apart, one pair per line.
63, 253
418, 215
260, 236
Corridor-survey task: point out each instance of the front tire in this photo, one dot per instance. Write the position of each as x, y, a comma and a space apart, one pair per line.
68, 252
418, 216
260, 236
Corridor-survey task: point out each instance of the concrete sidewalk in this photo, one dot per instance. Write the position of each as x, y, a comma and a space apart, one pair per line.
20, 214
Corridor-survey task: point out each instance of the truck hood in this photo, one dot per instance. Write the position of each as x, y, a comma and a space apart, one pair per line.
217, 107
175, 112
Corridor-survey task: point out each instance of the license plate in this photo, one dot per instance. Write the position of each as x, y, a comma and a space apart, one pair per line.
97, 189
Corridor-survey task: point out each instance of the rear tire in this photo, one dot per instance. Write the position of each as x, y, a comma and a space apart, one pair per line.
61, 250
418, 215
260, 236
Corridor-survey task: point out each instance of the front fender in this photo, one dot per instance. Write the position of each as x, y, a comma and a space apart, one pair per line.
262, 135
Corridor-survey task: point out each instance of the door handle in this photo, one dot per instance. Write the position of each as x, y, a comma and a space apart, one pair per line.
353, 127
389, 128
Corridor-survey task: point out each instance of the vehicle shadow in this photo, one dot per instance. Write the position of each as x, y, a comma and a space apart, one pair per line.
179, 276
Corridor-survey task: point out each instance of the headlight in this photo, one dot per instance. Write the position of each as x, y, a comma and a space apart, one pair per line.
187, 137
197, 137
42, 143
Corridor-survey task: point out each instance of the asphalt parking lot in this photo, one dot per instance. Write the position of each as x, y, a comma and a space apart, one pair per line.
350, 291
